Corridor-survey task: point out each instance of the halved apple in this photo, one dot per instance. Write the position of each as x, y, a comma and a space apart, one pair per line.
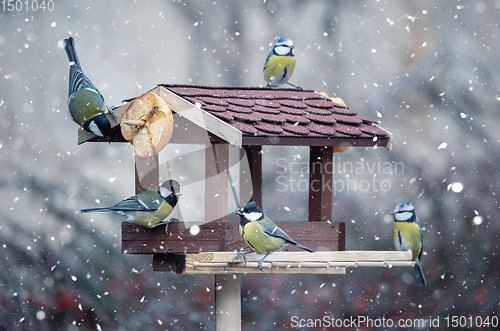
148, 124
339, 149
339, 101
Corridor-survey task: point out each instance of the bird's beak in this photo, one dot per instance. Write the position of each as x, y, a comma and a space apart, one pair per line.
239, 212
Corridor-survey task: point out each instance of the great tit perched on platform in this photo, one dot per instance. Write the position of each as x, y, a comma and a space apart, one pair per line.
85, 102
261, 233
148, 208
280, 63
407, 235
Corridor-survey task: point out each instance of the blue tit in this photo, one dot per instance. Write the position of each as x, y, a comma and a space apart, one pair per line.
261, 233
85, 102
407, 235
148, 208
280, 63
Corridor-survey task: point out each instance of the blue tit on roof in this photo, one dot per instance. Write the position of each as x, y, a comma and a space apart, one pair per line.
280, 63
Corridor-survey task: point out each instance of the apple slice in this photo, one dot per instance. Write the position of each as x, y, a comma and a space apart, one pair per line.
148, 124
339, 149
339, 101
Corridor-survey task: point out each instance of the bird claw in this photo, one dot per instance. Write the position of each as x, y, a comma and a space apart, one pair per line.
260, 263
110, 110
243, 254
295, 86
262, 260
244, 257
166, 223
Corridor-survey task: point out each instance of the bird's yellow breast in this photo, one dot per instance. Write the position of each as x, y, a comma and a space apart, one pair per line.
258, 240
151, 218
407, 236
85, 104
277, 64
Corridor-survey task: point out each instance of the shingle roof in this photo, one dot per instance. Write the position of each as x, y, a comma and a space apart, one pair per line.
282, 112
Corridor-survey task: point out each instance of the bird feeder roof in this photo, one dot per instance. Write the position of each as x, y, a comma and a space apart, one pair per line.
284, 116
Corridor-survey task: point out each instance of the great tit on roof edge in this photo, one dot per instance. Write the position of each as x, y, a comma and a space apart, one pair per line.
261, 233
85, 102
280, 63
148, 208
407, 235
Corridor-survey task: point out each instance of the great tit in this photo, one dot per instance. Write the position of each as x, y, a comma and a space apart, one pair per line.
148, 208
85, 102
407, 235
280, 63
261, 233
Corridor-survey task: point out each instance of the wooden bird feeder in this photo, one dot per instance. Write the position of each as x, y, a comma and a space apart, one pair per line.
249, 118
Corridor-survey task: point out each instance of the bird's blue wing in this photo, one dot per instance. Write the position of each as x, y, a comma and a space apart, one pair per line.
419, 227
421, 236
145, 201
78, 80
267, 59
278, 233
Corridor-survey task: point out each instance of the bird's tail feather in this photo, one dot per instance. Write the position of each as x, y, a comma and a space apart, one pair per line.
69, 47
91, 210
419, 273
304, 248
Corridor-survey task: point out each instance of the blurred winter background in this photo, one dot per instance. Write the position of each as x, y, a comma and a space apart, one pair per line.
428, 71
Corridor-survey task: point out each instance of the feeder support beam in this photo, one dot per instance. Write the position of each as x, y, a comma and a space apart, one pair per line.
254, 155
320, 183
227, 302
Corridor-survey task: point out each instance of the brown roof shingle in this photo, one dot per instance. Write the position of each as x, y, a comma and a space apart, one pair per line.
280, 112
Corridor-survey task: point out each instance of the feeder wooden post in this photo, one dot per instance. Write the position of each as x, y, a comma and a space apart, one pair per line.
320, 183
228, 302
254, 155
227, 286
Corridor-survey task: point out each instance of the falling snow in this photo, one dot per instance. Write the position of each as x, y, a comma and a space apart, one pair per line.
443, 145
427, 72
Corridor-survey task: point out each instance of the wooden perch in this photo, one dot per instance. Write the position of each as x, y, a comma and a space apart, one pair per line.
325, 262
